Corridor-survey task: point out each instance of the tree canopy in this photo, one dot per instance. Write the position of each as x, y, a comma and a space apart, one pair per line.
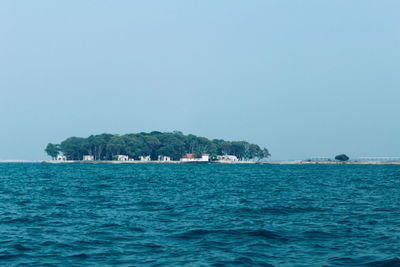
172, 144
342, 157
52, 150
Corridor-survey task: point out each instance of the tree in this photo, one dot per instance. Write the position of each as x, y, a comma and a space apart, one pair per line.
74, 148
266, 153
153, 144
52, 150
116, 146
97, 144
342, 157
171, 146
238, 148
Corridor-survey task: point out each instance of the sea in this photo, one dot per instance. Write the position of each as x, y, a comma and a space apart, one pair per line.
199, 215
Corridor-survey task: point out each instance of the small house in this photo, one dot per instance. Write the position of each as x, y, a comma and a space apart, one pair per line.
164, 158
61, 158
122, 158
88, 158
205, 157
227, 158
144, 158
192, 158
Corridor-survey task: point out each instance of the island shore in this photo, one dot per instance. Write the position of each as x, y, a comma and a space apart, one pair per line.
145, 162
225, 162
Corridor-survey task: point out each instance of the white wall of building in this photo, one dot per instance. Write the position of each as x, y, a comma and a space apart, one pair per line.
144, 158
123, 158
230, 158
61, 158
164, 158
204, 158
88, 158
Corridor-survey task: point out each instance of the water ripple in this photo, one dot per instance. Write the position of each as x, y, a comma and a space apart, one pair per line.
199, 215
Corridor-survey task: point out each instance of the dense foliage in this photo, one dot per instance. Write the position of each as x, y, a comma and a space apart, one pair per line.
174, 145
52, 150
342, 157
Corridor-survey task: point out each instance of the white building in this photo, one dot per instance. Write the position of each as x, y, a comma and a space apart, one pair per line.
164, 158
88, 158
192, 158
122, 158
61, 158
144, 158
227, 158
205, 157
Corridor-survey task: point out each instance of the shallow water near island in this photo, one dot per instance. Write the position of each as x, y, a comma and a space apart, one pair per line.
199, 215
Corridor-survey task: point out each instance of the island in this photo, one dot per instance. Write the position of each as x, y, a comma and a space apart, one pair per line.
165, 147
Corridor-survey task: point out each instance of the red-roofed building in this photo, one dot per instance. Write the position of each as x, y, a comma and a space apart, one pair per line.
192, 158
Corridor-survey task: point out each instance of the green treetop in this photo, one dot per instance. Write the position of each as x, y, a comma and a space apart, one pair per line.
172, 144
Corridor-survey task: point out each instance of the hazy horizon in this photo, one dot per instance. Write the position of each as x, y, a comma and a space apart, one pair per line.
303, 79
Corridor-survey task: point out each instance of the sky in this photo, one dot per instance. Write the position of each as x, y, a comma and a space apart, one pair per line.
301, 78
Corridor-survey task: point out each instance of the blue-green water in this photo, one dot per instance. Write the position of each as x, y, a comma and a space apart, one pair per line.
199, 215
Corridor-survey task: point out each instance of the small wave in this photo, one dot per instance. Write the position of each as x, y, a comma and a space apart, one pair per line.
261, 211
243, 261
318, 234
103, 185
152, 206
20, 247
395, 262
23, 220
153, 246
198, 233
283, 210
79, 243
193, 234
266, 234
80, 256
47, 243
137, 229
149, 203
366, 261
9, 256
110, 225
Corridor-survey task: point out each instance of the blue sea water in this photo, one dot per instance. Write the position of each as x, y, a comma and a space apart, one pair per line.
199, 215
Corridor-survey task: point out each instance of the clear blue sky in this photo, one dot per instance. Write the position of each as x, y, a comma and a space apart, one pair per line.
302, 78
